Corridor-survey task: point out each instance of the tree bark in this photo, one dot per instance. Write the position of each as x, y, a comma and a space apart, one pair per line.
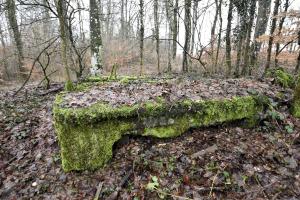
12, 20
187, 25
5, 64
280, 26
298, 59
175, 29
156, 32
219, 36
245, 69
228, 39
264, 7
213, 29
96, 39
271, 39
63, 35
141, 20
194, 25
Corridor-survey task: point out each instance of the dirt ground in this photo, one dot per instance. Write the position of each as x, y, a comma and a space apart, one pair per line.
223, 162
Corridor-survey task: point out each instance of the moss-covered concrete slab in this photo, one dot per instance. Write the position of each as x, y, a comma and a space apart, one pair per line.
88, 123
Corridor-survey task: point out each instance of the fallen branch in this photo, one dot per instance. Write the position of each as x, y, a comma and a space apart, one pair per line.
99, 188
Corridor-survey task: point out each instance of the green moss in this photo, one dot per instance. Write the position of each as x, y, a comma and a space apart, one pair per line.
88, 146
282, 78
69, 86
296, 101
86, 135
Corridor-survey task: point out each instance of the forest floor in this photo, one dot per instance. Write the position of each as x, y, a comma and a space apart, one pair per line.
223, 162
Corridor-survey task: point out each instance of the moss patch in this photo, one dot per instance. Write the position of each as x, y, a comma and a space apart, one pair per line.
86, 135
282, 77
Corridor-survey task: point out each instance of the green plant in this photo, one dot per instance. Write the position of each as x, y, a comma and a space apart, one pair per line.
153, 184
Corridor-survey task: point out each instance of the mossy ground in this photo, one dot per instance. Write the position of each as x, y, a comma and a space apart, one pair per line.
86, 135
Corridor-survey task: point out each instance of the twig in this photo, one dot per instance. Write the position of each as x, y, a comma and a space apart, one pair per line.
99, 188
33, 64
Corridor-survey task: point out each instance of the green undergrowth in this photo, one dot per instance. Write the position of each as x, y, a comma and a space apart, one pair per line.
86, 135
282, 77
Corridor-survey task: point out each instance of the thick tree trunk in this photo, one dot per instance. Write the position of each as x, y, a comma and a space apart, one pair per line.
245, 69
63, 35
12, 20
271, 39
156, 31
96, 39
187, 25
241, 41
264, 7
141, 20
280, 26
228, 39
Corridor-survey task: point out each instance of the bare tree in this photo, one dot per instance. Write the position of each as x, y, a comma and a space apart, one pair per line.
61, 14
271, 39
141, 31
228, 39
187, 26
96, 39
156, 33
13, 23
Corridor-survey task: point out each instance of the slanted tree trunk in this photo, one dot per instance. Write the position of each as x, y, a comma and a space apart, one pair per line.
271, 39
12, 20
96, 39
141, 34
175, 29
187, 25
61, 13
245, 69
280, 26
156, 32
228, 39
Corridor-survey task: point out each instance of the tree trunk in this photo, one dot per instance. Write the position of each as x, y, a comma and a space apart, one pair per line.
245, 69
141, 37
175, 29
213, 29
156, 32
241, 40
271, 39
194, 25
228, 39
5, 64
187, 25
96, 39
219, 36
264, 7
298, 60
63, 35
12, 20
169, 29
280, 26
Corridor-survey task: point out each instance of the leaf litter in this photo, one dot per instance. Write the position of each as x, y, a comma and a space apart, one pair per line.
223, 162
